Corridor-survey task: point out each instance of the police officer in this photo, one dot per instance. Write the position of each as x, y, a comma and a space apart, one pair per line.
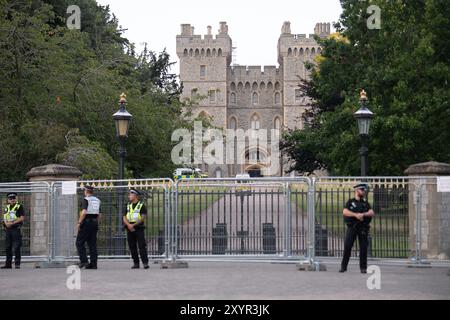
87, 228
134, 221
357, 216
13, 217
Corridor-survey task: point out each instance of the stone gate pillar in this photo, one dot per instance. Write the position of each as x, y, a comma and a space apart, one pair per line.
434, 210
40, 208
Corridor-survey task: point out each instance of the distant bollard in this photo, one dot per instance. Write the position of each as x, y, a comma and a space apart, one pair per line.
321, 241
219, 239
119, 240
269, 239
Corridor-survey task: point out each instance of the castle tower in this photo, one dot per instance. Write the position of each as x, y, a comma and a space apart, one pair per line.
204, 64
203, 69
293, 51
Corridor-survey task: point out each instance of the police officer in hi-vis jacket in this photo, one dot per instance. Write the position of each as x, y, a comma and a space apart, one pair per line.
134, 221
13, 217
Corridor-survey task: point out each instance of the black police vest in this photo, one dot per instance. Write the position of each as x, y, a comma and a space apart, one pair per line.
358, 207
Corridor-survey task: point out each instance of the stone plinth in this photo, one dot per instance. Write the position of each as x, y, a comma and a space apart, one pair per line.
65, 211
433, 209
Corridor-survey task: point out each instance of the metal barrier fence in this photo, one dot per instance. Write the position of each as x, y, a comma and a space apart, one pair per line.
389, 232
256, 218
235, 217
34, 195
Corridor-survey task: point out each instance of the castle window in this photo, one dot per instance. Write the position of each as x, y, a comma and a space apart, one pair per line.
208, 53
255, 125
313, 51
233, 86
203, 52
194, 93
301, 52
185, 52
197, 52
277, 98
212, 96
319, 50
191, 53
219, 53
277, 123
255, 98
202, 71
240, 86
269, 86
298, 95
262, 86
307, 52
289, 52
218, 173
255, 86
233, 98
247, 86
295, 51
233, 123
214, 52
277, 86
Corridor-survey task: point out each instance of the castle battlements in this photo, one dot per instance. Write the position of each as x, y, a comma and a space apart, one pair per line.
260, 72
191, 44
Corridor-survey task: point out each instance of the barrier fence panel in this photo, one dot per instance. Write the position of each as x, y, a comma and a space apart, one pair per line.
389, 232
299, 218
111, 237
239, 217
35, 199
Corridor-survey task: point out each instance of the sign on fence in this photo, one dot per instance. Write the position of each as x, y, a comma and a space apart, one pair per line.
443, 184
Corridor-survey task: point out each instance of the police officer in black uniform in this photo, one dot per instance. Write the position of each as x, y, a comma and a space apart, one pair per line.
13, 217
134, 221
357, 216
87, 228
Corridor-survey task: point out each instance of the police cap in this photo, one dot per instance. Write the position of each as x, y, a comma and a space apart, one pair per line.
12, 195
134, 191
89, 188
363, 186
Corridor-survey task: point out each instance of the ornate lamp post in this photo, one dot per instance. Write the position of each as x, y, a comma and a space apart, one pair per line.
122, 119
363, 116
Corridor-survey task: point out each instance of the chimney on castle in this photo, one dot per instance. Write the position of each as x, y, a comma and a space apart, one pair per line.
209, 30
223, 28
186, 30
322, 29
286, 29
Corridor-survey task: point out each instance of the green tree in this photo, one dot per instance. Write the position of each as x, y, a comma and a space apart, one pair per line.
55, 80
404, 67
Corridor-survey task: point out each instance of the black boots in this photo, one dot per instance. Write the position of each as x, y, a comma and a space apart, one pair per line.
136, 266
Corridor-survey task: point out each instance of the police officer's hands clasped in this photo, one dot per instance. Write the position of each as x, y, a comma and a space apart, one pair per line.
131, 227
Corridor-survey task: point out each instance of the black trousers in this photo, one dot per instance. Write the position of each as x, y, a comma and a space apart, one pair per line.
13, 243
362, 232
136, 240
88, 233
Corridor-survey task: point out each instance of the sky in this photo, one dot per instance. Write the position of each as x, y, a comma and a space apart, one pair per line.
254, 25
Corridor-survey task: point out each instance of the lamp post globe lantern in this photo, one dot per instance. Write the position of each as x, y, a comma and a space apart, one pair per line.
363, 117
122, 118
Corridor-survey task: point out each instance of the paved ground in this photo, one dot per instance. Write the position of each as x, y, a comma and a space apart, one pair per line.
212, 280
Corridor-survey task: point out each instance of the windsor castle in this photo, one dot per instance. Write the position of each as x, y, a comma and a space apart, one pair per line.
246, 97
